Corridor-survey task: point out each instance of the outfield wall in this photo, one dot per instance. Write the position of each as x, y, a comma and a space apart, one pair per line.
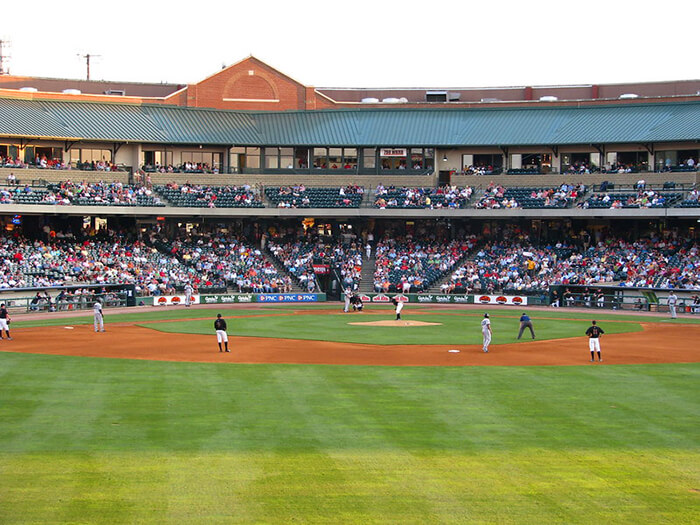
233, 298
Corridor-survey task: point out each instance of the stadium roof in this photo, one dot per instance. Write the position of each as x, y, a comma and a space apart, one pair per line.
442, 127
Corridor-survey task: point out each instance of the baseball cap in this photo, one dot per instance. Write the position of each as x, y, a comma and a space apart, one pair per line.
486, 315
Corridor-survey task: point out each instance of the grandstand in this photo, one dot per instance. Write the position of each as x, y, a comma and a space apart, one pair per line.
460, 196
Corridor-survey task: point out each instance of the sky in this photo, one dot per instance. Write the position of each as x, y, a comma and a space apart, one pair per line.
361, 43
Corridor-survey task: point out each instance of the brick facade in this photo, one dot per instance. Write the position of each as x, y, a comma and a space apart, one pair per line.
253, 85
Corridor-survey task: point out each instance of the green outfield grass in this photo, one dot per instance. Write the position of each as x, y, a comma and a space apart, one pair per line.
119, 441
452, 328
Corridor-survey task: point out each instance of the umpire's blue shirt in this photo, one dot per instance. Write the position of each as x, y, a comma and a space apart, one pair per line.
524, 318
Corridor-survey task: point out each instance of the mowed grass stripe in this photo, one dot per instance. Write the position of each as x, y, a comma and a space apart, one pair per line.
523, 486
203, 443
450, 329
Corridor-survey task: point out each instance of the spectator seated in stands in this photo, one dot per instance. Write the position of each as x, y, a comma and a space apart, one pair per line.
442, 197
9, 162
299, 196
403, 264
100, 193
227, 260
303, 250
201, 196
646, 198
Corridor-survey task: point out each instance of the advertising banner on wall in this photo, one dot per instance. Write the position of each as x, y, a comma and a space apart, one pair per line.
380, 298
287, 298
228, 299
263, 298
513, 300
173, 300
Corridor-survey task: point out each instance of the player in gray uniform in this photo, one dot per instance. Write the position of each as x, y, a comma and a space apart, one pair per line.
4, 321
188, 294
99, 317
486, 331
672, 300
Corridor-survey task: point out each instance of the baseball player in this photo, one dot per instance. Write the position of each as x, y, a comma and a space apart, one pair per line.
188, 294
526, 322
99, 317
594, 334
486, 331
348, 296
357, 303
5, 322
555, 300
221, 335
672, 300
600, 299
399, 306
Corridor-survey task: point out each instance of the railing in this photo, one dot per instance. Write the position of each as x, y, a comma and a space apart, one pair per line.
72, 303
326, 171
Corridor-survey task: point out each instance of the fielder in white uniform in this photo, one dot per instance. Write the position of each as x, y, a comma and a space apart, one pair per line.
99, 317
399, 307
348, 295
672, 300
188, 294
486, 331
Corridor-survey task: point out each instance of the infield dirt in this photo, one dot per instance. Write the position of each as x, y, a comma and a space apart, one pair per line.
656, 343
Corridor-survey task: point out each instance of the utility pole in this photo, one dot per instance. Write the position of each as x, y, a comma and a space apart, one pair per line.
87, 58
4, 57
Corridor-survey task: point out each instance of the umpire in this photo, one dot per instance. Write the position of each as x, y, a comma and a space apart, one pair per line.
526, 322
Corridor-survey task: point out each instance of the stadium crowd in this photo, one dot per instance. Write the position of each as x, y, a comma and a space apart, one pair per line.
442, 197
507, 259
304, 254
513, 262
226, 260
405, 264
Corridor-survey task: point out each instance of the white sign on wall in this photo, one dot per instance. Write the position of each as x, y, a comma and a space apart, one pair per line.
173, 300
393, 152
513, 300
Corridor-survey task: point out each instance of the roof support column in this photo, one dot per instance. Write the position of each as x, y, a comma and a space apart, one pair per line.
506, 158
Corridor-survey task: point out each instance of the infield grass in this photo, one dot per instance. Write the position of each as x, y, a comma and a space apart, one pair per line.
118, 441
451, 328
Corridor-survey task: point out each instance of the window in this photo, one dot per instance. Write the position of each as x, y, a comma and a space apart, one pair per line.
302, 158
85, 155
320, 158
287, 158
157, 158
272, 158
335, 158
252, 158
369, 158
350, 158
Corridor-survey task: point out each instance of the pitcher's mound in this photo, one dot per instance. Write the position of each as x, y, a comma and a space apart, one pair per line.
397, 323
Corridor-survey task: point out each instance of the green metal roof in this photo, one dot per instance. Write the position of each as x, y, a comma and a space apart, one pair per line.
622, 123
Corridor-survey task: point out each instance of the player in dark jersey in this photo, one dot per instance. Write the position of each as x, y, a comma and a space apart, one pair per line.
594, 334
356, 302
4, 321
221, 335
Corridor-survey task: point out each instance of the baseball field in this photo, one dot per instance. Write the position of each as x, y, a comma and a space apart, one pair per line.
313, 418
